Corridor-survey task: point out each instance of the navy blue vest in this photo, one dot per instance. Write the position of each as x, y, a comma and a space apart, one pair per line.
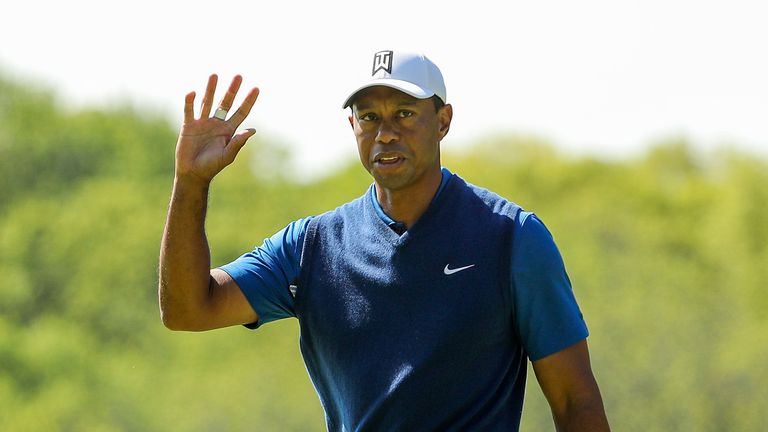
394, 338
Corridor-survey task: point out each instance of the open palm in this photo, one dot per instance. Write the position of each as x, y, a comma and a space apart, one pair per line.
208, 144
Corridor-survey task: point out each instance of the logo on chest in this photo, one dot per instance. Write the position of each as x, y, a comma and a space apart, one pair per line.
449, 271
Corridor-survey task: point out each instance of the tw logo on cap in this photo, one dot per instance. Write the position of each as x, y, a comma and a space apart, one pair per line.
382, 60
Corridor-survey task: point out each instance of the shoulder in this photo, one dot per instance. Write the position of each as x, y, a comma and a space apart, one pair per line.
347, 210
280, 250
490, 200
533, 244
534, 247
294, 231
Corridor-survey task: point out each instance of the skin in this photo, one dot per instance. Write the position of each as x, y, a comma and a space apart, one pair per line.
567, 381
389, 124
398, 140
193, 297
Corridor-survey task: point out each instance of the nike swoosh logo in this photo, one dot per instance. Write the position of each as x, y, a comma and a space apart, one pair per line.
450, 271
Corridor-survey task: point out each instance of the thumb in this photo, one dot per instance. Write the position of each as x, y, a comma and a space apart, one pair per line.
236, 143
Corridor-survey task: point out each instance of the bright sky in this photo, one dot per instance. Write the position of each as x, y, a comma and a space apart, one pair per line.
605, 77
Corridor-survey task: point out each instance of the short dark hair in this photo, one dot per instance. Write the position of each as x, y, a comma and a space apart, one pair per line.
437, 102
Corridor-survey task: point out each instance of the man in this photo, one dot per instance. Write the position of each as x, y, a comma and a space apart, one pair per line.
419, 302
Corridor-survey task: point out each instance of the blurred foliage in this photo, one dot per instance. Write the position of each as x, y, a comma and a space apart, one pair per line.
667, 254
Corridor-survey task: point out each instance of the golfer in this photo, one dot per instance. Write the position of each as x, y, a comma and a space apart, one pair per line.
420, 302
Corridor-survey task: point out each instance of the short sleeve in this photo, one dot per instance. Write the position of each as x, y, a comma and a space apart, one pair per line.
547, 316
265, 274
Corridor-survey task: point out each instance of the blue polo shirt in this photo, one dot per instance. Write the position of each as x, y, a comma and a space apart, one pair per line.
547, 316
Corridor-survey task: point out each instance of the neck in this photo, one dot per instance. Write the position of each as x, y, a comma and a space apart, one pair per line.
408, 204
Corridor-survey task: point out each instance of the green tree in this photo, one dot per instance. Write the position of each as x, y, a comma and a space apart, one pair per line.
666, 253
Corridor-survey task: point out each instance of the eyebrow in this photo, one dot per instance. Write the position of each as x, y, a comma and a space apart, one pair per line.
407, 102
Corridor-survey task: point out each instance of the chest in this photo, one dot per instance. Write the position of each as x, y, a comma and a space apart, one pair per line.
364, 292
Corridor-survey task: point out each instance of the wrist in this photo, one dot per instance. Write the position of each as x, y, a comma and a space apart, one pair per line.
190, 184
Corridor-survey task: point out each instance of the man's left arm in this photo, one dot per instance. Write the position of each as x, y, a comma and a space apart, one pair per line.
552, 329
567, 382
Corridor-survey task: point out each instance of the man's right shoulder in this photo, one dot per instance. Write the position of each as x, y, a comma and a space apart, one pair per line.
350, 208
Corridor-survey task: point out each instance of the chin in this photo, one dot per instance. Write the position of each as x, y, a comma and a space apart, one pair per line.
392, 182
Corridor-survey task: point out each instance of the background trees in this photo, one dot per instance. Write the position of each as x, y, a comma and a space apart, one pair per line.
667, 253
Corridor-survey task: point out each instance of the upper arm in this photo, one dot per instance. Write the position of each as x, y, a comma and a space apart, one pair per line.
547, 316
265, 274
254, 288
552, 329
220, 304
226, 305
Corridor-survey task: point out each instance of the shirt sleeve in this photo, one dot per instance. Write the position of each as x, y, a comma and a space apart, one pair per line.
548, 318
264, 275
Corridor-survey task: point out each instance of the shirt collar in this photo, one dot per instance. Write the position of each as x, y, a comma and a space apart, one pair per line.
399, 227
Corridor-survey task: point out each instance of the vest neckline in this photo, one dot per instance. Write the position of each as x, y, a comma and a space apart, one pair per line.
422, 224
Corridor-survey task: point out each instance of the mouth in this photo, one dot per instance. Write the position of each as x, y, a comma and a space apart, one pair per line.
388, 159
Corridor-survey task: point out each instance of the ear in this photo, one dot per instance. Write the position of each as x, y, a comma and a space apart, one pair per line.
351, 121
444, 117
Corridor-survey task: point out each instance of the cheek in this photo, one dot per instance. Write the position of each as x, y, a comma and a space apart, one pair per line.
363, 148
428, 135
363, 137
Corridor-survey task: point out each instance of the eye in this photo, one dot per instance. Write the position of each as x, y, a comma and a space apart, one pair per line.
368, 117
404, 114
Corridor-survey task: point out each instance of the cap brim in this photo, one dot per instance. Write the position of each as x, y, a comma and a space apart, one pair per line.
403, 86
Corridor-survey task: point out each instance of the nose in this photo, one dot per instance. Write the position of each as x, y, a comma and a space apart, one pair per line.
388, 132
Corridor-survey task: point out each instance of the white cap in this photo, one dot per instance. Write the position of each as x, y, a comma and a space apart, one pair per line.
412, 73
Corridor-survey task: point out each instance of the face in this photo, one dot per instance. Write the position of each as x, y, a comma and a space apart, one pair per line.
398, 136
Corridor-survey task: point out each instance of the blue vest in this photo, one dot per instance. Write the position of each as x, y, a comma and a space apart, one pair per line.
393, 336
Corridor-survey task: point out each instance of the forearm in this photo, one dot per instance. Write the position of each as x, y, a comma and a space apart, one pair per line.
184, 255
570, 387
588, 415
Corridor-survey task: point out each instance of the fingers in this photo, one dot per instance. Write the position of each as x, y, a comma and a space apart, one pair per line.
189, 110
229, 96
226, 101
210, 89
245, 107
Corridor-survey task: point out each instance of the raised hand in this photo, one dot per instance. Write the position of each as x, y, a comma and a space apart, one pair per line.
208, 144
